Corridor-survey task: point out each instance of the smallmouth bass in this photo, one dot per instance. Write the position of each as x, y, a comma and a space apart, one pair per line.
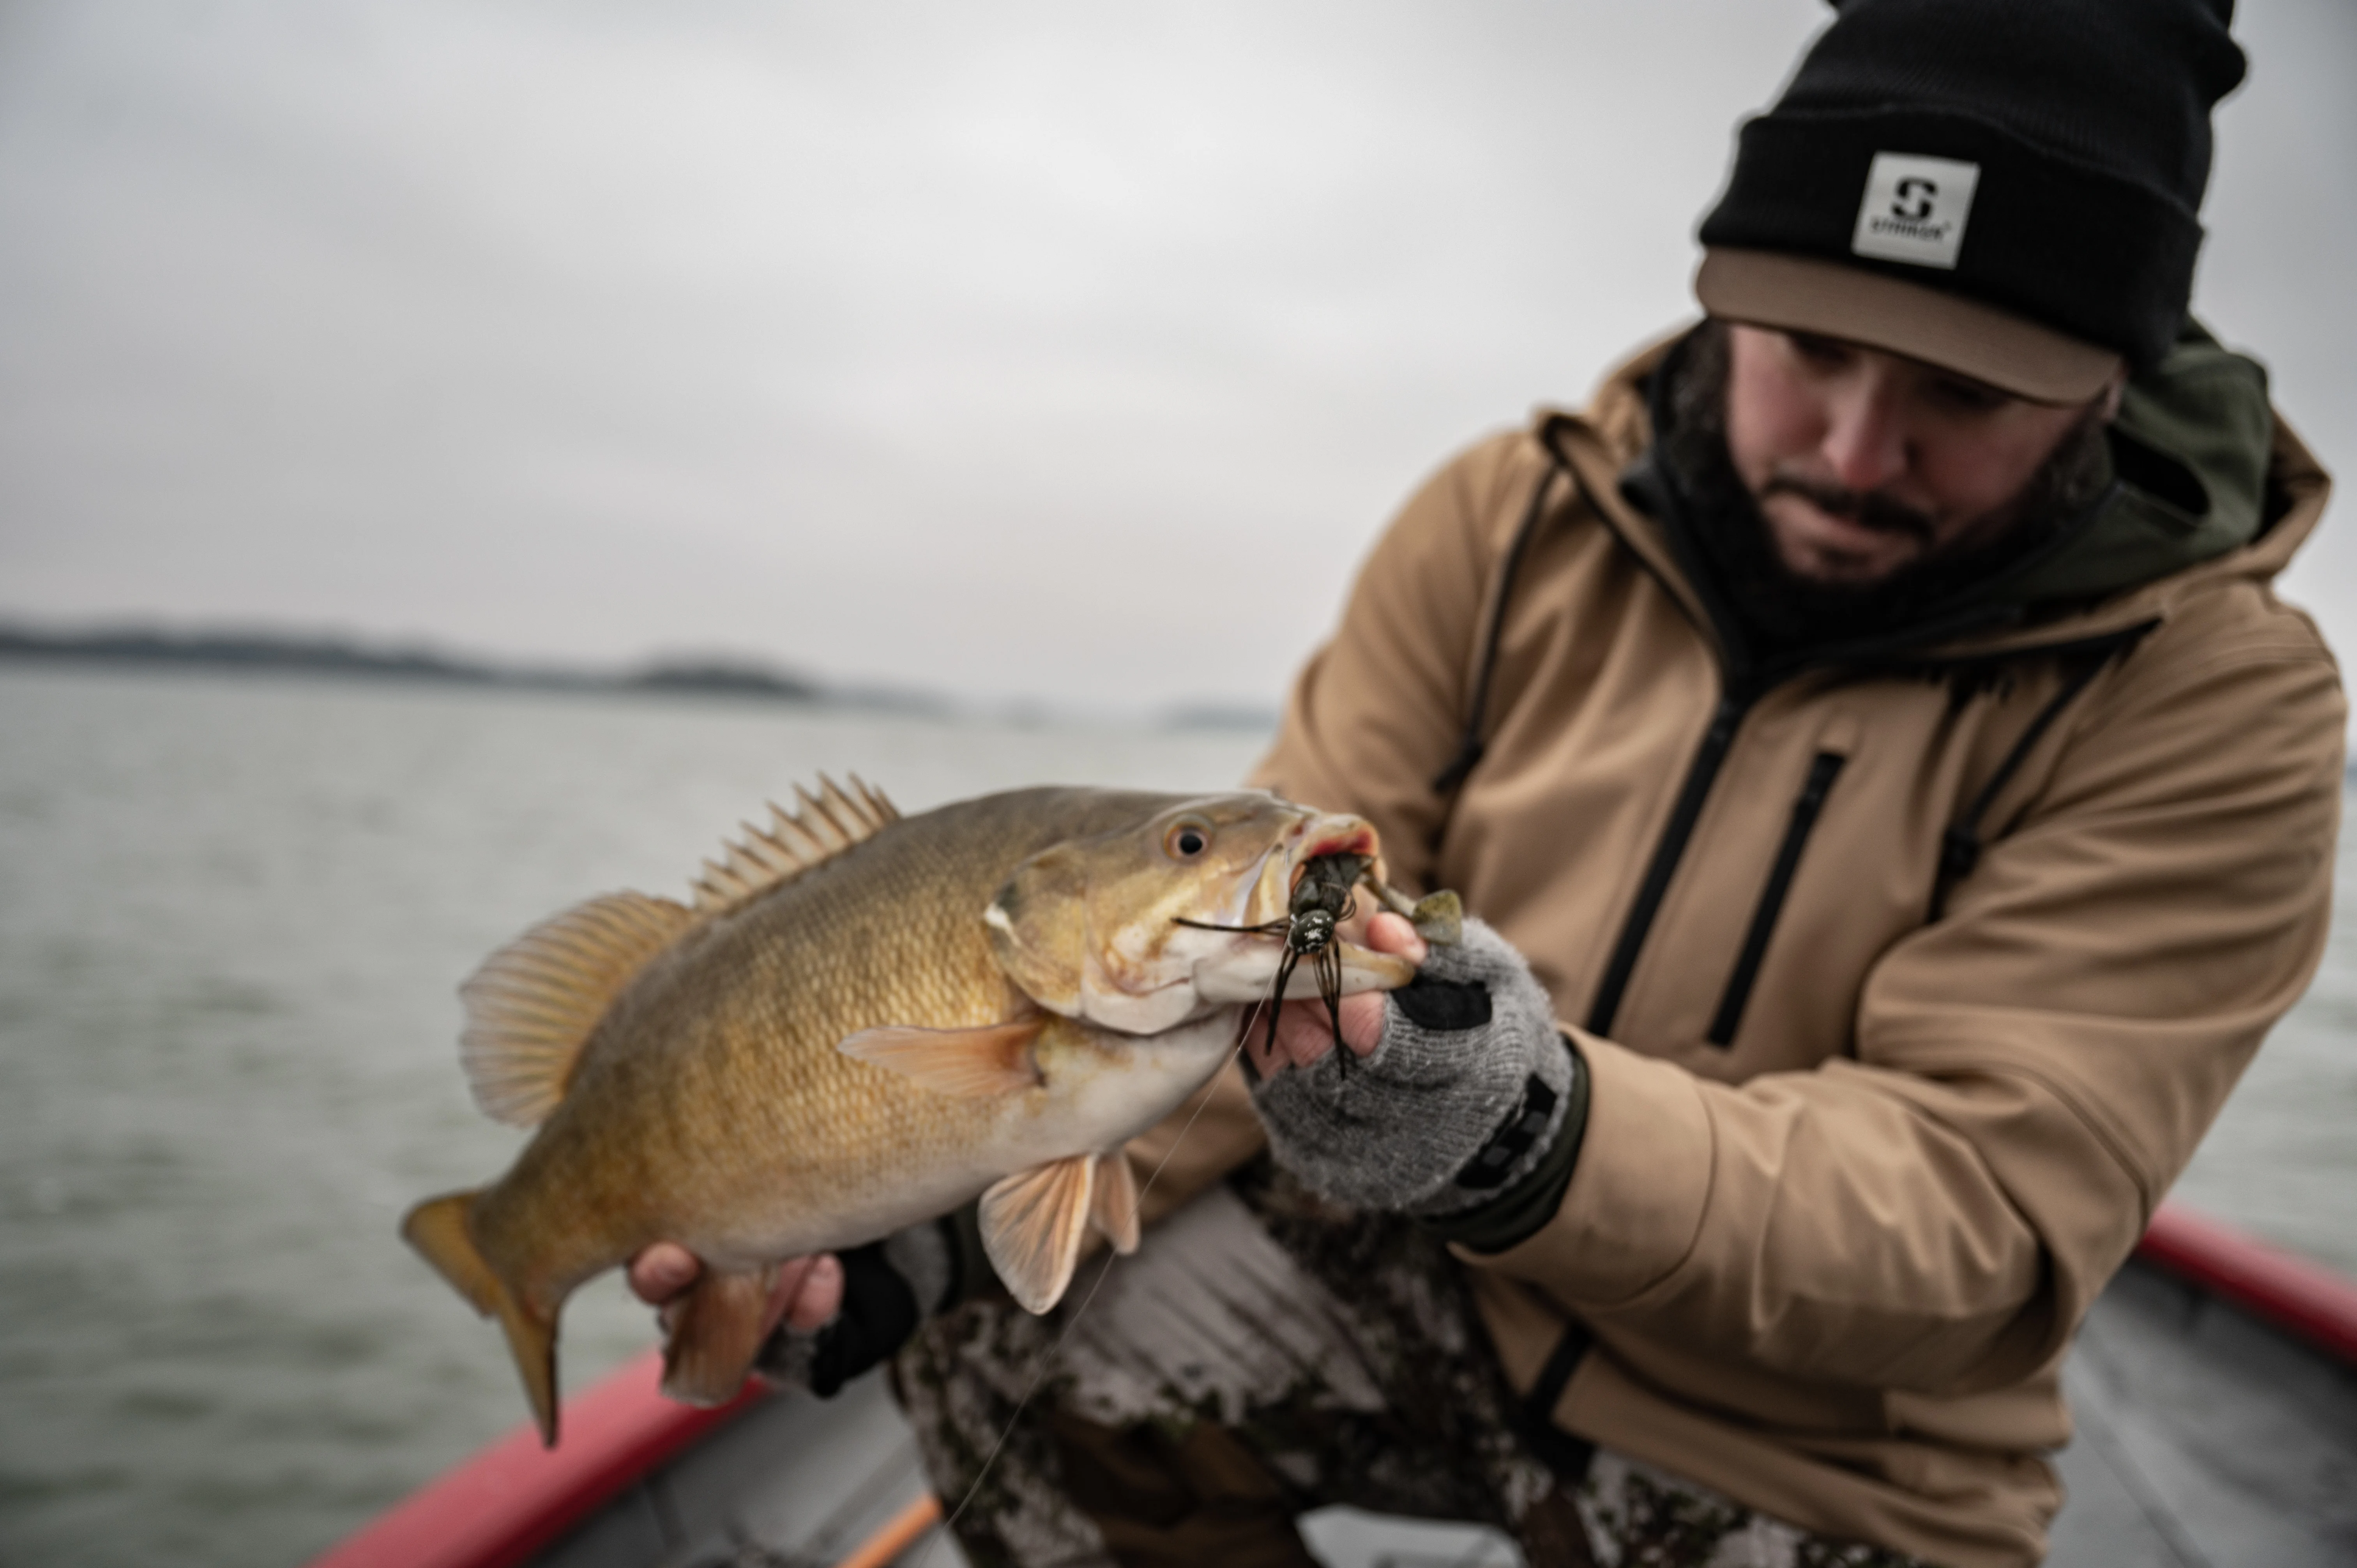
866, 1020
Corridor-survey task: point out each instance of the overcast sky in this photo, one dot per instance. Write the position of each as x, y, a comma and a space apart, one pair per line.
1069, 353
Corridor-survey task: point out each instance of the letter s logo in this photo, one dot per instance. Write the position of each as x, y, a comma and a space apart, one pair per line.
1914, 198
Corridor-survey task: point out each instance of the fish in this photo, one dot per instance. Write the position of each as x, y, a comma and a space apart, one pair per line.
863, 1020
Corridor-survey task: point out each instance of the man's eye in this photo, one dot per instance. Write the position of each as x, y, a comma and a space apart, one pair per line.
1823, 353
1968, 397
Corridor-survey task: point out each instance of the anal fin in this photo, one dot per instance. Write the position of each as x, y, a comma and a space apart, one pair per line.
715, 1336
1033, 1225
1113, 1208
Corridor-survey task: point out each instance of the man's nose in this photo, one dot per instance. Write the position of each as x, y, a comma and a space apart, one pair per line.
1866, 438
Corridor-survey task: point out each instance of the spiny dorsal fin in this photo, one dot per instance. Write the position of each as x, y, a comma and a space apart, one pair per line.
532, 1005
828, 823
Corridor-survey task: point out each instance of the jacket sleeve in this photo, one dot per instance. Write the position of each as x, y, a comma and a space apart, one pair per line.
2032, 1070
1372, 719
1379, 711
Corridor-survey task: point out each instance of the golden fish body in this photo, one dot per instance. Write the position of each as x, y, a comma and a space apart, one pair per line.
869, 1021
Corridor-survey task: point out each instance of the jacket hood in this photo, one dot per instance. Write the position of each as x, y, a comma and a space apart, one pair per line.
2188, 453
2202, 475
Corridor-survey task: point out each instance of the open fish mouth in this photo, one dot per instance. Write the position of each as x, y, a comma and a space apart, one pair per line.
1334, 850
1294, 947
1325, 837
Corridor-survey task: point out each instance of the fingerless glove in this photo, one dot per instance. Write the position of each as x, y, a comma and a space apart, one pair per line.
1465, 1096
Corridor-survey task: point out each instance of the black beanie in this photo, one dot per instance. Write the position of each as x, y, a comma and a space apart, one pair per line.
2045, 157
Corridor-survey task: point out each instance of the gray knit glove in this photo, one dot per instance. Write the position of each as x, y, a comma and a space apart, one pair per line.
1462, 1097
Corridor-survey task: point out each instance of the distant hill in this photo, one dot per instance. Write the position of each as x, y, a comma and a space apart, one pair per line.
698, 674
243, 649
337, 656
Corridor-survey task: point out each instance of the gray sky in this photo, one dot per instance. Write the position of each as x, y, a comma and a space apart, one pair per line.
1065, 352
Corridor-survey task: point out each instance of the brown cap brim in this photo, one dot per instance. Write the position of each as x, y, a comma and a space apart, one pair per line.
1803, 293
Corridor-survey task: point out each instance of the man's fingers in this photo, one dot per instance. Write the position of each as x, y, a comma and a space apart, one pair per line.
1305, 1031
1384, 931
807, 1295
661, 1272
1393, 933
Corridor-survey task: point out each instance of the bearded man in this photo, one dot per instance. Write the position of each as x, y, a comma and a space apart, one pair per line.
1896, 808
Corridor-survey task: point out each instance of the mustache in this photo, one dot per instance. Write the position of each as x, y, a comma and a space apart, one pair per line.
1868, 508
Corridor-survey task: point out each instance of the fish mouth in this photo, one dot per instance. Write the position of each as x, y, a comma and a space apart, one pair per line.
1326, 836
1263, 899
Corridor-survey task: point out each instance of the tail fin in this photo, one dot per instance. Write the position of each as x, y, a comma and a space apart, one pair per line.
438, 1229
716, 1336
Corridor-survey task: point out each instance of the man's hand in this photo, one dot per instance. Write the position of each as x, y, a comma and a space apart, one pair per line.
1459, 1085
807, 1295
831, 1316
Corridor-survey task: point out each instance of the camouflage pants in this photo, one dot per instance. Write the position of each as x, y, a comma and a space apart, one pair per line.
1262, 1356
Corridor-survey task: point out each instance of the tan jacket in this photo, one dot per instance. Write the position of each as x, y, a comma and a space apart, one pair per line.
1831, 1266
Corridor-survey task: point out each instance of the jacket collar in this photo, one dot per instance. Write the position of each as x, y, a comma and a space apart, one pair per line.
1610, 441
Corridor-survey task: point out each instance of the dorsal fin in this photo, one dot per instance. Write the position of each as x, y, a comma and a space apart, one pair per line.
532, 1005
828, 823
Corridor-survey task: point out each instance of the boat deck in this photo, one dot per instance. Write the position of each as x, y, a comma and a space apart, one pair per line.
2215, 1386
2205, 1437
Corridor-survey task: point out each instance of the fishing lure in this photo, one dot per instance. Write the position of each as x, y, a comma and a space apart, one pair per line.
1325, 897
1322, 900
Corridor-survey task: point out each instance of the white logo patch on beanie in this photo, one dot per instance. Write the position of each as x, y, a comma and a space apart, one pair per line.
1914, 209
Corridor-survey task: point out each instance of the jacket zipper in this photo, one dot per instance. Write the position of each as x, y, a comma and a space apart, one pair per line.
1742, 689
1710, 757
1822, 771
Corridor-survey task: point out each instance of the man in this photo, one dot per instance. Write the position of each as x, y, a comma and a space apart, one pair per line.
1896, 806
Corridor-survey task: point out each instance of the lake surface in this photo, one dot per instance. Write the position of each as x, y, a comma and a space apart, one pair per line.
233, 913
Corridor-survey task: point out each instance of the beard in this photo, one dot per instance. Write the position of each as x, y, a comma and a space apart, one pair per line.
1785, 611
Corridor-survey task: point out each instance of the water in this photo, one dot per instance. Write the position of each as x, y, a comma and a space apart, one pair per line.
232, 914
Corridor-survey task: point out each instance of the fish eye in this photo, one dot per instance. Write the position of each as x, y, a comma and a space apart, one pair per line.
1185, 840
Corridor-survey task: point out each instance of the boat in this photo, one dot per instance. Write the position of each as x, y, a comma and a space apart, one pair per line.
2214, 1387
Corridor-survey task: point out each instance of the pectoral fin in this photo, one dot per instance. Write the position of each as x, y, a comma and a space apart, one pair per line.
967, 1064
1114, 1207
715, 1336
1032, 1224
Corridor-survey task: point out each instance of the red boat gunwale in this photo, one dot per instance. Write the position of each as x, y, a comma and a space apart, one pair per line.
2273, 1286
515, 1498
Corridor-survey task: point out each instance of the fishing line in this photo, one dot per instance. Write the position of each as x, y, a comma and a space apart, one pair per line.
1073, 1322
1308, 931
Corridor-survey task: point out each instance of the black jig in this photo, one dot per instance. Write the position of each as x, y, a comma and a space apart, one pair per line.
1322, 901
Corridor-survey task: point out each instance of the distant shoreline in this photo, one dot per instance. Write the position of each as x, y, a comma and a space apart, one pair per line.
262, 651
339, 656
